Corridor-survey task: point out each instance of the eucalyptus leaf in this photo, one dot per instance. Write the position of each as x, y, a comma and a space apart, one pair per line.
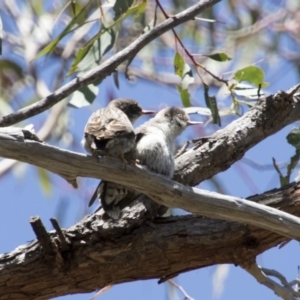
90, 55
184, 71
211, 103
219, 56
251, 74
84, 96
78, 19
9, 65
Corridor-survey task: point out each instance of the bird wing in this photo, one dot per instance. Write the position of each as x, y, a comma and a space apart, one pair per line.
107, 124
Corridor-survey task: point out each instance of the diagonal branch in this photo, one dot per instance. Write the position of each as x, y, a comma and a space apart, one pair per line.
228, 145
109, 66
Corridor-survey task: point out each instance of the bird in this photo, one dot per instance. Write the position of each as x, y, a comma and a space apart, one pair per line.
155, 146
109, 131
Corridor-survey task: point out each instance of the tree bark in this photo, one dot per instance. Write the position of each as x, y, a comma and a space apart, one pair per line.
101, 253
217, 153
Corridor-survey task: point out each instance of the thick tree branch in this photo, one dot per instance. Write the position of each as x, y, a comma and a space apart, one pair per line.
163, 190
103, 253
106, 68
239, 136
228, 145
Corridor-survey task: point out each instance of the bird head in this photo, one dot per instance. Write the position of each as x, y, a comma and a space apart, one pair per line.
175, 120
131, 108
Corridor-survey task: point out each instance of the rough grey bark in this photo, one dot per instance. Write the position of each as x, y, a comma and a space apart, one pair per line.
159, 188
226, 146
100, 253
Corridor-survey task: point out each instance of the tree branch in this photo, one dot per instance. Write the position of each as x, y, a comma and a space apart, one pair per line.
103, 253
283, 290
159, 188
228, 145
106, 68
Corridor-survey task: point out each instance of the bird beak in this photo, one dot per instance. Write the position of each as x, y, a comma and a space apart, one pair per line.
193, 123
148, 112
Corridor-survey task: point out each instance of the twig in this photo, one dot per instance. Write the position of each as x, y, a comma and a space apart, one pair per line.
274, 273
261, 167
191, 57
101, 292
64, 242
182, 149
294, 282
107, 67
181, 289
283, 290
42, 235
276, 167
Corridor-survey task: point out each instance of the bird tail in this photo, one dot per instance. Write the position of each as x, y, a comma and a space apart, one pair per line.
96, 194
114, 197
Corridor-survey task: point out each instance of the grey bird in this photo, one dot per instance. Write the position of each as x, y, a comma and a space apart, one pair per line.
155, 146
109, 130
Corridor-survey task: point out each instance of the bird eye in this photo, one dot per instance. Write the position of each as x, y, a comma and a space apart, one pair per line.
179, 115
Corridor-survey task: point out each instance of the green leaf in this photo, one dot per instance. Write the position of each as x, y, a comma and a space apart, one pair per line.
77, 19
211, 103
6, 64
120, 7
124, 8
293, 138
253, 75
107, 35
219, 56
45, 181
284, 180
84, 96
184, 71
90, 55
178, 64
73, 6
185, 96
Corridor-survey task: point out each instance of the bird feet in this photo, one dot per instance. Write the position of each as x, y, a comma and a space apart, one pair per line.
134, 161
96, 155
125, 162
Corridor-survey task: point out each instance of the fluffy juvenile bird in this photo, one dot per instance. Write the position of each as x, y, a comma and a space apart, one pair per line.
109, 130
155, 146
